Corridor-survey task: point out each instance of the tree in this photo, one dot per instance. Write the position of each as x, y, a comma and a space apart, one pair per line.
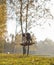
37, 11
2, 23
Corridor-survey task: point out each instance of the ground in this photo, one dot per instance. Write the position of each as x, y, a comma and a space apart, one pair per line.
15, 59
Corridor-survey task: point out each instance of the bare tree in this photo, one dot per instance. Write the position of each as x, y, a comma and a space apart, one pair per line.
36, 11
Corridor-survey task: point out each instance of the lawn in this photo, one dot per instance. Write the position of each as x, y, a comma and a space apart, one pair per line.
15, 59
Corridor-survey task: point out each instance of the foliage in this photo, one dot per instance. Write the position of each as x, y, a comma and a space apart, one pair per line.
2, 16
15, 59
37, 10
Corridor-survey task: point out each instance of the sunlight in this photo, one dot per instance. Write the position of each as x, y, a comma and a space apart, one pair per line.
11, 26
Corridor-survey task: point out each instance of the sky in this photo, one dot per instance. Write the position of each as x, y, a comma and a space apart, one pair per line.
43, 32
40, 32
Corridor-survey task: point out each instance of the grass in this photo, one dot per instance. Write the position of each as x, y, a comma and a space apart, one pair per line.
15, 59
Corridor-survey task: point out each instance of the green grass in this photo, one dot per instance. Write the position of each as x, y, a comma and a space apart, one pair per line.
15, 59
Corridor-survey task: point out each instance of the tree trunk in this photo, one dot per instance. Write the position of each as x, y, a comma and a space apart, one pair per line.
24, 49
26, 24
28, 50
